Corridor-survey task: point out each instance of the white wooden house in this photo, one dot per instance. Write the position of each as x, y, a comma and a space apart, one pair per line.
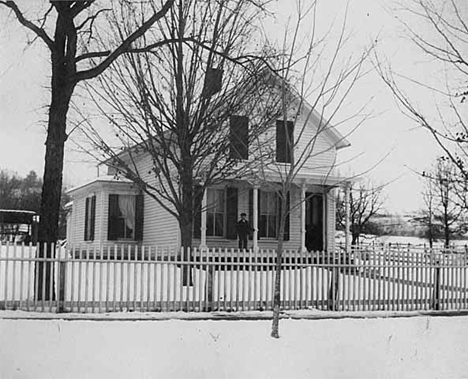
107, 210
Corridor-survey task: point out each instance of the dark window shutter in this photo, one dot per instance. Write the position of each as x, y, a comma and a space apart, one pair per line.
139, 217
86, 224
283, 149
92, 218
197, 208
213, 81
239, 137
286, 225
112, 227
231, 213
251, 212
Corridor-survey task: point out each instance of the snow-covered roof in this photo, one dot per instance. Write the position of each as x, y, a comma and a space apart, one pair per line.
16, 211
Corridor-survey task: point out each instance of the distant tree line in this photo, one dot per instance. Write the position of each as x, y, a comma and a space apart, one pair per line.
445, 210
24, 193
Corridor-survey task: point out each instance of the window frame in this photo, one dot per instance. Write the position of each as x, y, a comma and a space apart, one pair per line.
224, 214
122, 217
264, 231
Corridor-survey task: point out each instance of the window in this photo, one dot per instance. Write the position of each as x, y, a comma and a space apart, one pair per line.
284, 141
269, 206
239, 137
90, 218
215, 212
125, 217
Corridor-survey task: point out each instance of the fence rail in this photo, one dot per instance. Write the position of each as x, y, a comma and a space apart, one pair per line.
134, 278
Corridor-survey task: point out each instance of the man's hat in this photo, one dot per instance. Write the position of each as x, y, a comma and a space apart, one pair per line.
243, 214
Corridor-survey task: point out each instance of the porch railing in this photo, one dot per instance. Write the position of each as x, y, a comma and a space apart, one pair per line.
152, 279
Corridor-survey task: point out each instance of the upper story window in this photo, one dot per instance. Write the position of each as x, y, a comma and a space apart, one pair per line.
125, 219
284, 141
239, 137
216, 212
213, 81
90, 218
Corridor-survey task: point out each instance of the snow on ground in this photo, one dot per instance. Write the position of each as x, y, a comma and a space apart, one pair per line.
416, 347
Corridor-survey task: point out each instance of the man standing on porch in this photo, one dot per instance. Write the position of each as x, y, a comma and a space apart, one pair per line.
243, 230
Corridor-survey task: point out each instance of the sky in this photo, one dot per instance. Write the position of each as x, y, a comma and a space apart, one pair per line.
388, 147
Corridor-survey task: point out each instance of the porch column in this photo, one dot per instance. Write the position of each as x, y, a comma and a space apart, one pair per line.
347, 218
303, 217
255, 218
203, 221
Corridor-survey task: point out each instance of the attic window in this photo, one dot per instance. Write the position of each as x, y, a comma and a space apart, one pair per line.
213, 81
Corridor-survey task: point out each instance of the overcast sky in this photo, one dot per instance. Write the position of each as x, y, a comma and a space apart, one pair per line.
24, 76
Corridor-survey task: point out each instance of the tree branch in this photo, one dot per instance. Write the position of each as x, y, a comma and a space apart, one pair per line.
28, 24
125, 45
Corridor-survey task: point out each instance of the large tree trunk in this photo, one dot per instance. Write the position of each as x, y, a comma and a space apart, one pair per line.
186, 226
62, 89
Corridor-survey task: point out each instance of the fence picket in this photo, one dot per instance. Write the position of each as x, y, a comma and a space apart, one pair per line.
139, 278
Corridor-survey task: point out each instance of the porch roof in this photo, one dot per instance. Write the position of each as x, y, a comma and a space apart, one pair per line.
304, 178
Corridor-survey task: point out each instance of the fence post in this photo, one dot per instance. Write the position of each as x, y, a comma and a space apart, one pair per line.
333, 290
435, 302
62, 267
209, 281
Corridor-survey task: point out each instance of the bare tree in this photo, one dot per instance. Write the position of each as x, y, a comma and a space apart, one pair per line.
68, 29
193, 107
366, 202
315, 76
426, 215
444, 213
440, 30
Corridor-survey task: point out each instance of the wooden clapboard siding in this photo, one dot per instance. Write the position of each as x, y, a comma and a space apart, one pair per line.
320, 156
77, 219
321, 153
101, 188
159, 227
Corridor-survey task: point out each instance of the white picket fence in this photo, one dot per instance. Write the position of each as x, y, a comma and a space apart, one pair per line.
140, 278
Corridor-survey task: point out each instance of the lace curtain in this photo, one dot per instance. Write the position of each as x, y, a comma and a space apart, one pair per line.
127, 208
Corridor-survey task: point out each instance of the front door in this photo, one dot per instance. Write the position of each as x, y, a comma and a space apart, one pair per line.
314, 221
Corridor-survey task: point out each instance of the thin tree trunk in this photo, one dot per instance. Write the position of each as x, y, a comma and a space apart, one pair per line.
279, 256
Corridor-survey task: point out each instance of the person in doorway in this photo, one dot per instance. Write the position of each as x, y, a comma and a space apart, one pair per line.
243, 230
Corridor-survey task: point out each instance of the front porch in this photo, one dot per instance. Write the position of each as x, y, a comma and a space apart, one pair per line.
310, 221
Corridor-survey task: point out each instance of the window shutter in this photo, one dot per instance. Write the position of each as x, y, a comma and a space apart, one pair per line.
86, 223
139, 217
213, 81
231, 213
112, 217
92, 218
251, 212
283, 149
239, 137
197, 208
